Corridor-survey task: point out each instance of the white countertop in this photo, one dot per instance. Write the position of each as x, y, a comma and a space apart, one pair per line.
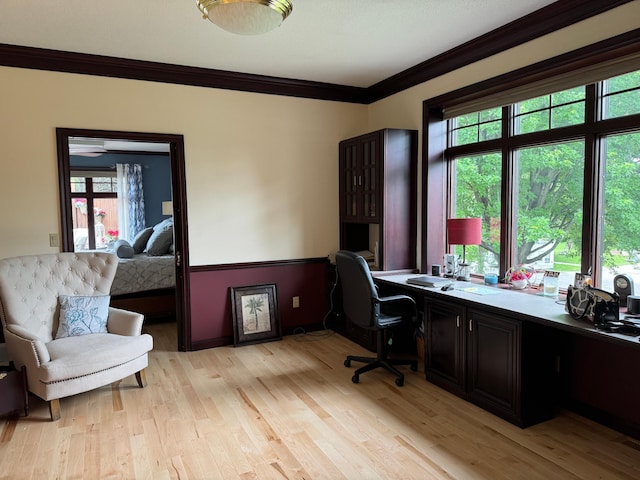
526, 304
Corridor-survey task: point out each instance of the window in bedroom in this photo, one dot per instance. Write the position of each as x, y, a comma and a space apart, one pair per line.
94, 205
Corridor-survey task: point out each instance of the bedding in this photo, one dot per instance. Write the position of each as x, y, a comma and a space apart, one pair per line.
144, 272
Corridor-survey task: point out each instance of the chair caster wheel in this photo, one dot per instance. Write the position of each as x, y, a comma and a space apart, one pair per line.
355, 379
399, 382
414, 367
347, 363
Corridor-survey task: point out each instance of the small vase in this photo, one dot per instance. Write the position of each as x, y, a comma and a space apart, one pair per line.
519, 284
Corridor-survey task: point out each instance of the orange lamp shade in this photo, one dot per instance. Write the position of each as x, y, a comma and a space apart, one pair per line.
464, 231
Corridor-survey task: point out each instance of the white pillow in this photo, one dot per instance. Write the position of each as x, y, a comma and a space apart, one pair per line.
83, 315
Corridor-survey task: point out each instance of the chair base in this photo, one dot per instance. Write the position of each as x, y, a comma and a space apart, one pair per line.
388, 364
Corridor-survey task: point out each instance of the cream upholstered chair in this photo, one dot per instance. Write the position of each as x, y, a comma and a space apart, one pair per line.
30, 291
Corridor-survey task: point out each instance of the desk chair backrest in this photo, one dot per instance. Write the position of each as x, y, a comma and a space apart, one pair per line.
360, 300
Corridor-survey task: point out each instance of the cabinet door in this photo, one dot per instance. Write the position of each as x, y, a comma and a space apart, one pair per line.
360, 164
493, 364
349, 174
370, 177
444, 337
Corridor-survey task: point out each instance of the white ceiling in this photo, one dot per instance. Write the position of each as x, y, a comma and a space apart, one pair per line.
345, 42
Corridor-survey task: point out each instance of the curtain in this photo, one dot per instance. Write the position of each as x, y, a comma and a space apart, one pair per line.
130, 200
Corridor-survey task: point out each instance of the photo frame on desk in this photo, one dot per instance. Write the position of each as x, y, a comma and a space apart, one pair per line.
255, 314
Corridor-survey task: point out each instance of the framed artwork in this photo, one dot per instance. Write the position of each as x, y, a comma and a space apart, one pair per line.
255, 314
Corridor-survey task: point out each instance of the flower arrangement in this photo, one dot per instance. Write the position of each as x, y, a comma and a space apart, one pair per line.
111, 236
519, 275
99, 212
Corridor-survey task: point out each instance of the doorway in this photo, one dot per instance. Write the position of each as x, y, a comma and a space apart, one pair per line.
94, 143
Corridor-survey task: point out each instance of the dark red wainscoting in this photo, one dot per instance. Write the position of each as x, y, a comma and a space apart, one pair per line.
211, 319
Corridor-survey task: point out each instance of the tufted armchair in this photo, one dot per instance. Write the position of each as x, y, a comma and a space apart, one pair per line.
30, 288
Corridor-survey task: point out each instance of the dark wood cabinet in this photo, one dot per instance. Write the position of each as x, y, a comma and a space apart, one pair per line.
445, 346
378, 185
493, 378
482, 357
13, 390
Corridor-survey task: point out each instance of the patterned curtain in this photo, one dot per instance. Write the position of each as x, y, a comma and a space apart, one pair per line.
130, 200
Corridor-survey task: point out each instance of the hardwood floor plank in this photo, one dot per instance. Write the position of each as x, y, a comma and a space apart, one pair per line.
288, 409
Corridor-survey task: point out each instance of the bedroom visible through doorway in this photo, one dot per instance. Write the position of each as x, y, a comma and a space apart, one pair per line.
123, 193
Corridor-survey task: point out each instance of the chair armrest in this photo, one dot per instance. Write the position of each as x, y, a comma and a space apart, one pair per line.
397, 298
25, 348
124, 322
401, 299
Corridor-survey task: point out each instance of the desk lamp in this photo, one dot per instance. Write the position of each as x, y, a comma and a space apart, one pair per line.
464, 231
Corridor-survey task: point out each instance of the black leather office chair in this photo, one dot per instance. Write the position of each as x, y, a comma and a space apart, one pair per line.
363, 306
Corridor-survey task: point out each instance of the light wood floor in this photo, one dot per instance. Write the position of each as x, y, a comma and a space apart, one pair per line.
288, 410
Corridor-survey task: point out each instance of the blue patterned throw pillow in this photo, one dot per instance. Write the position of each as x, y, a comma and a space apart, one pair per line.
83, 315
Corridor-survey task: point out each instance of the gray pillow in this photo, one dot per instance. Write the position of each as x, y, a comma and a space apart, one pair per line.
140, 242
161, 238
123, 249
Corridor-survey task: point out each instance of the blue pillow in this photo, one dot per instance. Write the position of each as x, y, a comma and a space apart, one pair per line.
83, 315
123, 249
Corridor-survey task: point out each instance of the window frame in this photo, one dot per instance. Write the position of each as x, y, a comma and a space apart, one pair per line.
436, 171
88, 173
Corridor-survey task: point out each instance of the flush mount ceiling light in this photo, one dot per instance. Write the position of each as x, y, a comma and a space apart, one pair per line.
246, 17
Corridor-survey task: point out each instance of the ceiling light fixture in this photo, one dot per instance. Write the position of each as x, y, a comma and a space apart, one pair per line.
246, 17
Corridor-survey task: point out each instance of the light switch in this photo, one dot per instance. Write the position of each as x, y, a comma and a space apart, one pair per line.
54, 240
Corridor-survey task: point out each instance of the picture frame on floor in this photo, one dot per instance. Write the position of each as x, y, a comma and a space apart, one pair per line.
255, 314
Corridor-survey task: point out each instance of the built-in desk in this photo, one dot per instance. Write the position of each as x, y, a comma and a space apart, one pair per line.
520, 356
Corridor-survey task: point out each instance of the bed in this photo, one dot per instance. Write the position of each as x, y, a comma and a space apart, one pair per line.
146, 284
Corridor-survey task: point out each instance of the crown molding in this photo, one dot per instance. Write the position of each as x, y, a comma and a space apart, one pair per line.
548, 19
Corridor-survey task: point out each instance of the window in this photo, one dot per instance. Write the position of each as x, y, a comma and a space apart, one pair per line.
620, 248
477, 186
548, 218
621, 95
476, 127
550, 111
94, 204
559, 212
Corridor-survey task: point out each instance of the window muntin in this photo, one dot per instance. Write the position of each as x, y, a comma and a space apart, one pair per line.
620, 249
621, 95
549, 191
477, 186
476, 127
560, 109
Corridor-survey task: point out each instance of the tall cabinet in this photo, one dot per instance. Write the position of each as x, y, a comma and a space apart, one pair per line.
378, 195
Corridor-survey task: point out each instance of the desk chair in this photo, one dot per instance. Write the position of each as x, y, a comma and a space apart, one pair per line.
363, 306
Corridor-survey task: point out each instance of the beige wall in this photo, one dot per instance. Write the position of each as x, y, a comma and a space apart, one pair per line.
261, 169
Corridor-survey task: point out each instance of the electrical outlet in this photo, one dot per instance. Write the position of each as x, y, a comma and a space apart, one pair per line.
54, 240
296, 302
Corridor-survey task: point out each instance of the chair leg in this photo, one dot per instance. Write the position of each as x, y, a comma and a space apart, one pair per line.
141, 377
381, 360
54, 409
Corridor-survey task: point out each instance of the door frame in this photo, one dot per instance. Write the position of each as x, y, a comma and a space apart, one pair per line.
178, 186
